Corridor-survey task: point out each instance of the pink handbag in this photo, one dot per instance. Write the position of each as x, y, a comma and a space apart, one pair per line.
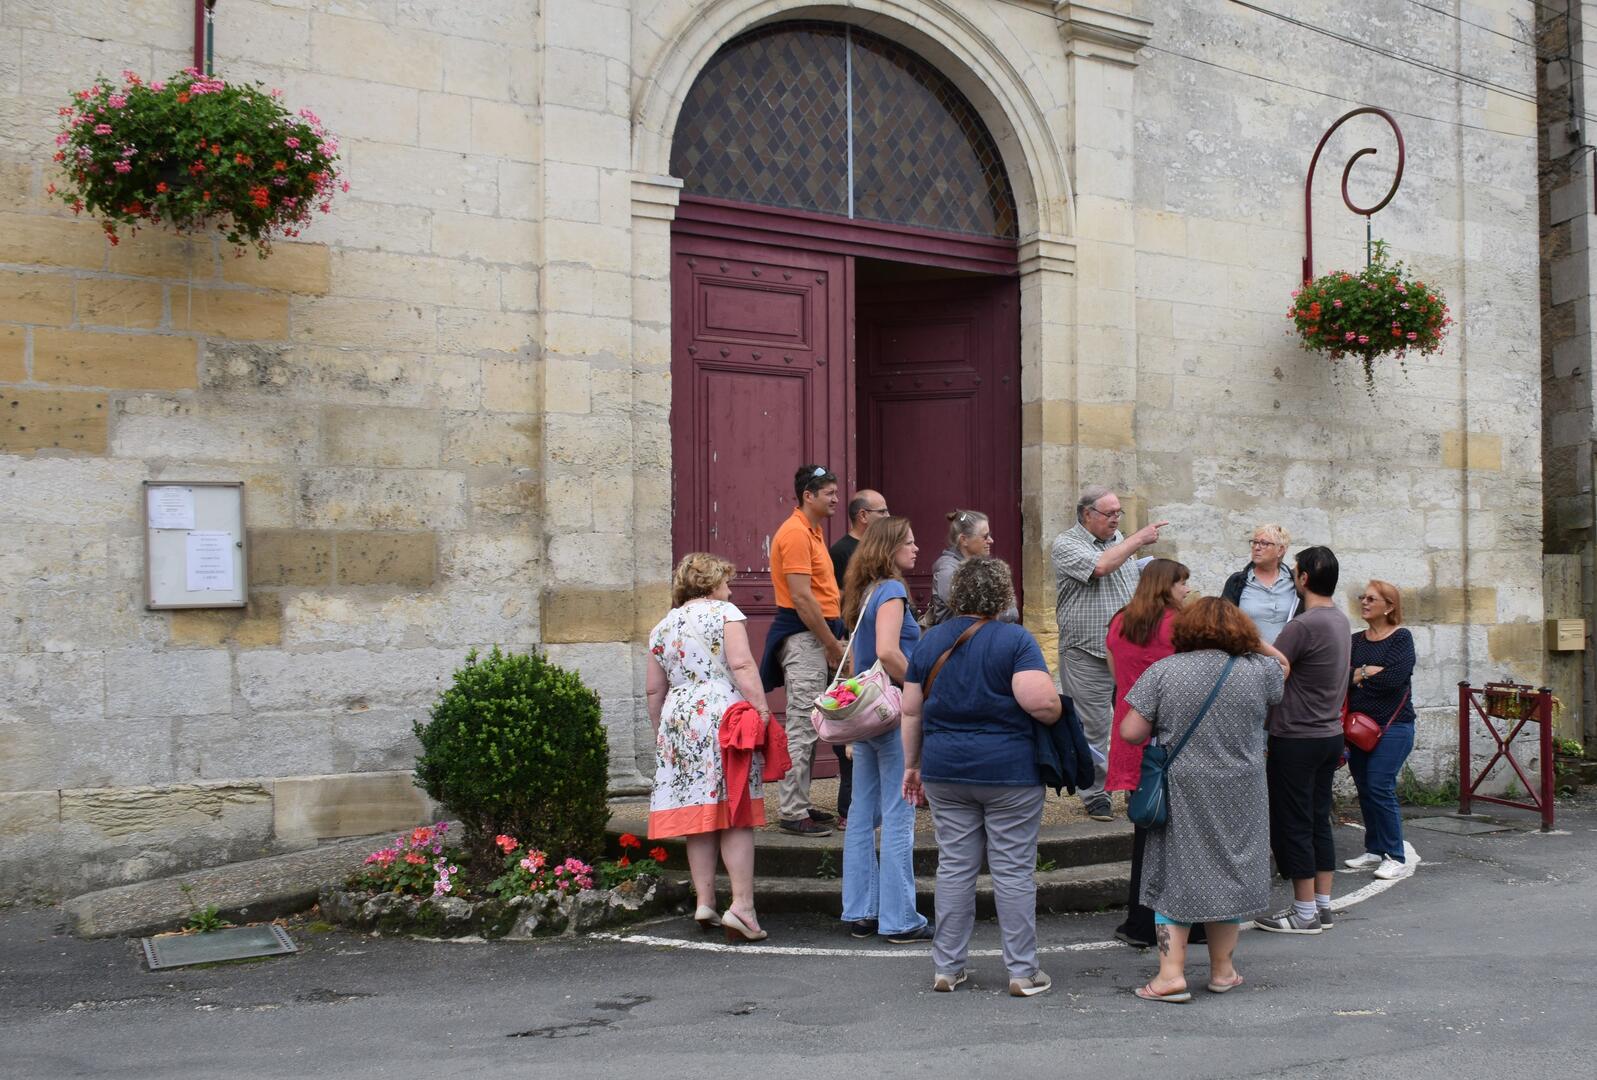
873, 704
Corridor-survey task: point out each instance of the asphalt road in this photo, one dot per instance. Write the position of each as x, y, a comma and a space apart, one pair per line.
1480, 965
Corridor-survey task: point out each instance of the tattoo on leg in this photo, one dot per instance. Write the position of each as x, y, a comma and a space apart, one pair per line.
1161, 934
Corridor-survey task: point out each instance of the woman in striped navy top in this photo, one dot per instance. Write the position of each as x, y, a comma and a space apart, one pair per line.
1381, 688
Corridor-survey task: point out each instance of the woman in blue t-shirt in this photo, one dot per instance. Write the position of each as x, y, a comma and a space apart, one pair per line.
879, 896
968, 744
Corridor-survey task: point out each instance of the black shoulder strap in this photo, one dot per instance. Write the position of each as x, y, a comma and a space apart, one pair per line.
1230, 663
931, 676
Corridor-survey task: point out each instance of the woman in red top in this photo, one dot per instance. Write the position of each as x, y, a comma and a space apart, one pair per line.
1139, 636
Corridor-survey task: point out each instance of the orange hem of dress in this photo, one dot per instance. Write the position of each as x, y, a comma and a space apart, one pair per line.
708, 817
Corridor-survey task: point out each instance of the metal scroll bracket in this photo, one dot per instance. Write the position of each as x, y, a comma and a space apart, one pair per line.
1367, 211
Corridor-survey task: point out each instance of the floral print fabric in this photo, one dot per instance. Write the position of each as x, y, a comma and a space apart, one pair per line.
689, 786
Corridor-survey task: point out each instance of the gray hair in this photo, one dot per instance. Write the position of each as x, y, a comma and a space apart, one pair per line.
1089, 496
962, 525
981, 586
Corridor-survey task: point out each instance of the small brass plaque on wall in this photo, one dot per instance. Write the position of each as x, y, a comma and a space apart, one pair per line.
1566, 635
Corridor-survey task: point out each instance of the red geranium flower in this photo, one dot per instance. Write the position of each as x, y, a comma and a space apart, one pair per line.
658, 854
629, 841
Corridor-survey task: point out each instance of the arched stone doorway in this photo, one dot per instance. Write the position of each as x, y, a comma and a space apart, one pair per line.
844, 290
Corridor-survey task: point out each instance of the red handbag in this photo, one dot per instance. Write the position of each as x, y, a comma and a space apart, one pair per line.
1361, 730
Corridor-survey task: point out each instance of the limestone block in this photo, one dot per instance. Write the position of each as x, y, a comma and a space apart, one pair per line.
518, 290
26, 815
342, 376
567, 385
83, 493
184, 682
432, 179
232, 313
119, 302
383, 558
394, 438
52, 419
50, 556
357, 108
575, 614
42, 299
119, 361
38, 240
416, 278
201, 430
445, 122
477, 439
1107, 426
484, 559
597, 246
477, 68
365, 323
471, 332
293, 268
480, 236
504, 130
587, 440
43, 686
258, 625
380, 740
1472, 450
454, 619
273, 681
510, 385
486, 20
350, 804
13, 346
113, 813
222, 748
344, 46
382, 499
499, 502
156, 254
290, 557
374, 225
598, 559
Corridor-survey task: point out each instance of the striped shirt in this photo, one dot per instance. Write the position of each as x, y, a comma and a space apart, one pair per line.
1084, 604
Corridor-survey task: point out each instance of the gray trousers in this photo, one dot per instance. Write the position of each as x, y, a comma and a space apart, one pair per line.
1086, 680
1002, 822
805, 673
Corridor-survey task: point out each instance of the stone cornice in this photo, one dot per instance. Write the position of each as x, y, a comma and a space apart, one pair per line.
1102, 33
656, 197
1048, 254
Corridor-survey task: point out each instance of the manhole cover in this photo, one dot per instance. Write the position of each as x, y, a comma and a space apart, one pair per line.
1458, 826
180, 950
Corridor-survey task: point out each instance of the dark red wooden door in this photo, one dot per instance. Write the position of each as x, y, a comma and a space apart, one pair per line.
759, 386
939, 405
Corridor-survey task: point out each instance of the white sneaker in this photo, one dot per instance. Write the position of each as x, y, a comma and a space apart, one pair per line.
1364, 861
1411, 856
1392, 870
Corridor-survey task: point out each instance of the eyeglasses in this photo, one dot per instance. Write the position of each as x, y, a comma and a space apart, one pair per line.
1371, 599
1264, 543
884, 511
1112, 515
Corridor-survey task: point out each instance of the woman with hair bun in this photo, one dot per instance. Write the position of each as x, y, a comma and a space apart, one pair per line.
969, 535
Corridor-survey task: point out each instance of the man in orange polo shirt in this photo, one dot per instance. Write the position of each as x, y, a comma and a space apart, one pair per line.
802, 648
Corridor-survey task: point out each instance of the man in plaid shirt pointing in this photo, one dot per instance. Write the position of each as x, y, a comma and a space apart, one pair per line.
1096, 570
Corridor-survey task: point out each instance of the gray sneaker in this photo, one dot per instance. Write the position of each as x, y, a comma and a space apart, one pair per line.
1038, 983
1327, 918
1288, 922
944, 984
1100, 808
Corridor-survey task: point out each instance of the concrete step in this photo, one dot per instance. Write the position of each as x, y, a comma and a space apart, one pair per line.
783, 855
243, 891
1077, 888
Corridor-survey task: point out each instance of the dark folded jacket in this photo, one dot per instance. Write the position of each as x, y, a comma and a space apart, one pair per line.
1064, 759
783, 626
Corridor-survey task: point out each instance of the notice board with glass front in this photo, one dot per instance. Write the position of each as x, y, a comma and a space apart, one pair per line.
194, 544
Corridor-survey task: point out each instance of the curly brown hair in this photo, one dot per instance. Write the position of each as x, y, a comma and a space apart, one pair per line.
697, 575
981, 586
1213, 623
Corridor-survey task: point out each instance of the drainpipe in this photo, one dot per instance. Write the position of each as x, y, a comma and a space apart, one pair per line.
204, 34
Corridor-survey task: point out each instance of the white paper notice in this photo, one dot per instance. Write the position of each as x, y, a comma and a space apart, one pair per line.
208, 559
171, 507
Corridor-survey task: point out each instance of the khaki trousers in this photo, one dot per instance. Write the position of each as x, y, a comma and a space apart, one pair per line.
805, 673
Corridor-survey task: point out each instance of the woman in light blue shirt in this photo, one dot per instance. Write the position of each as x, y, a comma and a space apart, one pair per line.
1263, 589
879, 894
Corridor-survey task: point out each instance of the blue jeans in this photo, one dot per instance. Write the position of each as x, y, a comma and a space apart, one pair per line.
884, 890
1375, 774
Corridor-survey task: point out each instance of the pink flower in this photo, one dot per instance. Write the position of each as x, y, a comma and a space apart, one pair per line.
1336, 303
1349, 336
158, 86
116, 101
102, 129
123, 167
291, 142
1364, 339
1412, 336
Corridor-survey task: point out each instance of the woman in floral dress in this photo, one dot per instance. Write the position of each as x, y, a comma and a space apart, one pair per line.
702, 665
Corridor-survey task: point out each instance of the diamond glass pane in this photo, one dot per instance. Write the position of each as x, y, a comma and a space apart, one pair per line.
922, 155
767, 121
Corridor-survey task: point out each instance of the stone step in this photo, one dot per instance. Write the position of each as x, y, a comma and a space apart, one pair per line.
242, 892
1077, 888
782, 855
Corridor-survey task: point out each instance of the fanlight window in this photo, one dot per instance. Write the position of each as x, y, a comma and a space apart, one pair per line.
829, 118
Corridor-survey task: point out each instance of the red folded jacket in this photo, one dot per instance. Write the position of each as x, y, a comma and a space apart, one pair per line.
743, 732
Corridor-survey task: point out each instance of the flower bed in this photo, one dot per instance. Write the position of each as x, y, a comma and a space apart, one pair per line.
421, 884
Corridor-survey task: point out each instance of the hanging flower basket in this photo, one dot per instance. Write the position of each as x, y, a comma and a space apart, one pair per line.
193, 154
1377, 312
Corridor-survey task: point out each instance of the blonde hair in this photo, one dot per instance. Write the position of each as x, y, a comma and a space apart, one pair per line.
698, 574
1272, 532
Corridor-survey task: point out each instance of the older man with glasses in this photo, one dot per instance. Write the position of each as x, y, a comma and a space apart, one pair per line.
1096, 573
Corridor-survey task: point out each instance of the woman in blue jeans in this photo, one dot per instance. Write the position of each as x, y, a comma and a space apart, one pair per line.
879, 895
1382, 688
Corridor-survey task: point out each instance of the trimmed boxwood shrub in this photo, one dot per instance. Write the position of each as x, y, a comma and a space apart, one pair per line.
516, 746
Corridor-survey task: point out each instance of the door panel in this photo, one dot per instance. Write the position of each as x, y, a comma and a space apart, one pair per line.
939, 386
759, 387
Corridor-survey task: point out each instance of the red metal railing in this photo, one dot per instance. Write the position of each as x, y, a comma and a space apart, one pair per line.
1513, 705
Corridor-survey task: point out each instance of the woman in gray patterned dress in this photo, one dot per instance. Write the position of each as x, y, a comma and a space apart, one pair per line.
1211, 862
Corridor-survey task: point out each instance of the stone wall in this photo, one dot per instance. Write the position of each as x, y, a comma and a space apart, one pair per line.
376, 387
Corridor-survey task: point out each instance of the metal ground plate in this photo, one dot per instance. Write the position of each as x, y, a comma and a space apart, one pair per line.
1458, 826
239, 943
